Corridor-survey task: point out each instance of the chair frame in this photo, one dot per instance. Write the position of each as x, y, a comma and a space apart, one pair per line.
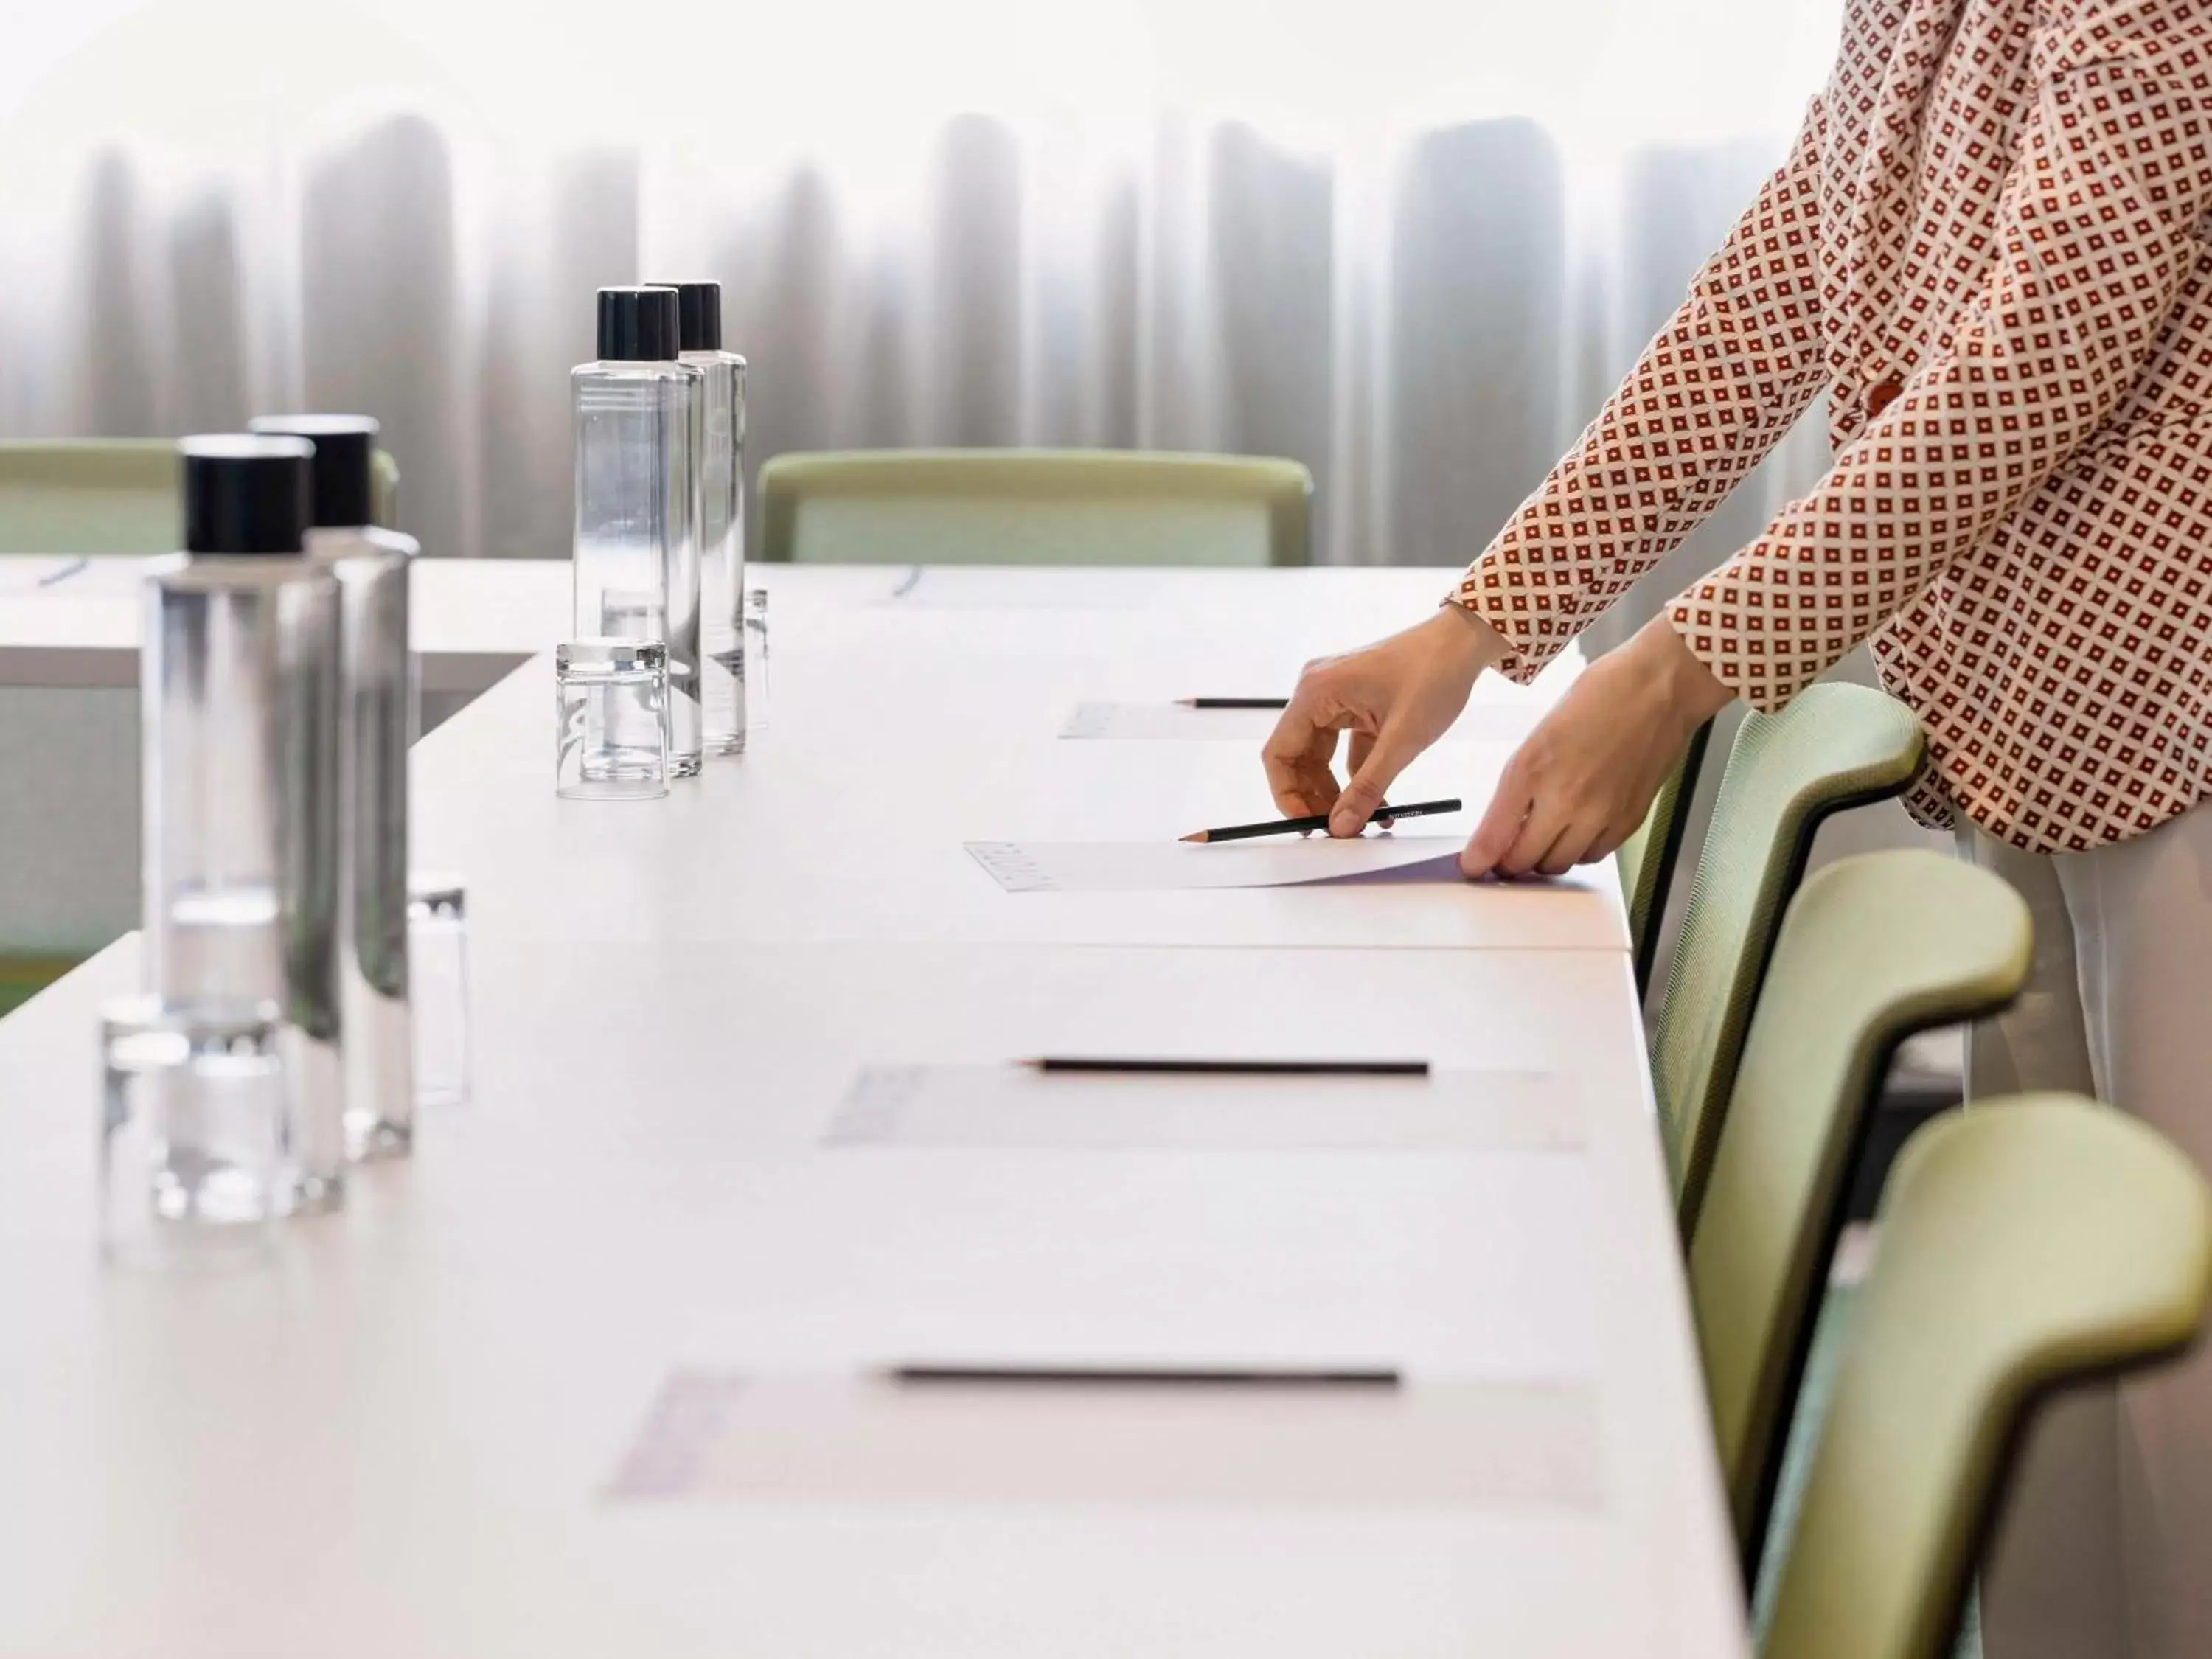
1751, 1545
1986, 1487
1665, 859
1690, 1164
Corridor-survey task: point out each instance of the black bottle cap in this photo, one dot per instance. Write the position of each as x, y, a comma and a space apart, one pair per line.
343, 445
246, 495
699, 312
638, 325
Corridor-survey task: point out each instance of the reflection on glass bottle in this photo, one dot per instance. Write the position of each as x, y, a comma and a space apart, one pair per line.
720, 466
755, 665
636, 410
238, 728
380, 716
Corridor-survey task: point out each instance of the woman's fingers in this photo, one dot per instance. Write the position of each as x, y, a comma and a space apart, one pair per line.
1573, 845
1615, 836
1297, 756
1501, 822
1545, 823
1385, 755
1362, 746
1397, 697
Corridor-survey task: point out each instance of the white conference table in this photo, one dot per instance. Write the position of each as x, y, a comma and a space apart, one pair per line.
603, 1367
74, 621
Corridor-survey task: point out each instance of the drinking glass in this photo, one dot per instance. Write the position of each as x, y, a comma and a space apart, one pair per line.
438, 962
612, 704
192, 1130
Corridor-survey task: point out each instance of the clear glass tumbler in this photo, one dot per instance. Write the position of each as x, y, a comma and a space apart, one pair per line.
192, 1131
438, 968
753, 667
611, 700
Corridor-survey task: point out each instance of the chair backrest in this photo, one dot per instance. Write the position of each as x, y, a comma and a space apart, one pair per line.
1647, 859
1055, 506
1834, 746
384, 487
110, 496
2026, 1244
1873, 949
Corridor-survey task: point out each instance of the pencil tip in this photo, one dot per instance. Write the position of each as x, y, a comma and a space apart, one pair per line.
1197, 835
1186, 703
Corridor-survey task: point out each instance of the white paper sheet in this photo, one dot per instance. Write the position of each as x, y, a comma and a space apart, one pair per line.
1175, 721
1013, 1106
22, 574
1135, 867
1041, 1440
102, 578
953, 587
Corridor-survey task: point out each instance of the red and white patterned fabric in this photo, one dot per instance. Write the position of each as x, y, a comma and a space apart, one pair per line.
1989, 247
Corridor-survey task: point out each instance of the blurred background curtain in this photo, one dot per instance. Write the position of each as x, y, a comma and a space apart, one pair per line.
1410, 244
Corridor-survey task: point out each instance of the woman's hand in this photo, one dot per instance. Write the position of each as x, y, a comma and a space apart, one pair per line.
1585, 777
1395, 697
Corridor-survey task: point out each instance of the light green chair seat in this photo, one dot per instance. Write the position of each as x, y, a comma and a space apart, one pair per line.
1051, 506
1873, 950
109, 495
1647, 860
2025, 1244
1834, 746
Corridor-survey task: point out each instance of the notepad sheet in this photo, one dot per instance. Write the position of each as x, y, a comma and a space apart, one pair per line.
1003, 1107
1110, 867
1173, 721
1461, 1443
950, 587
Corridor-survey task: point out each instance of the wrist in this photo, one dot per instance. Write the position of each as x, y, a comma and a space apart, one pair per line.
1680, 678
1469, 635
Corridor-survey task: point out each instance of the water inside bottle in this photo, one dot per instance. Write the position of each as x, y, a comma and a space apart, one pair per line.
225, 941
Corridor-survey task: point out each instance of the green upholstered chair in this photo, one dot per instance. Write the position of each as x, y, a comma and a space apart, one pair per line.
1833, 747
2026, 1244
1053, 507
109, 496
1647, 859
1873, 949
94, 497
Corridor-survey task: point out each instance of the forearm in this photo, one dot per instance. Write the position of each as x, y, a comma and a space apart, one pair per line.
1711, 395
2096, 231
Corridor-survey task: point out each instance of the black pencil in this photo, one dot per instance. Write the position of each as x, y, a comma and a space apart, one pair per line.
1233, 702
1385, 814
1232, 1067
1151, 1376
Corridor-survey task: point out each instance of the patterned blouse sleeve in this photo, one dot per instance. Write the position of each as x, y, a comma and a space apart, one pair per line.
1716, 389
2095, 234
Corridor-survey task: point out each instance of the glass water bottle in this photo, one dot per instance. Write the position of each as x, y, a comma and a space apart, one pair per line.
380, 717
637, 498
721, 515
239, 730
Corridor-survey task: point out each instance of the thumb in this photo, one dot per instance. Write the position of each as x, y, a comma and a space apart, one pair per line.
1388, 756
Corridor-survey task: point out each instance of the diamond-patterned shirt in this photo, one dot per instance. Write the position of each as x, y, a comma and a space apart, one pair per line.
1990, 247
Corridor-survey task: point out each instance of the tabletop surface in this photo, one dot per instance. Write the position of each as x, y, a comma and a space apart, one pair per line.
74, 621
613, 1364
